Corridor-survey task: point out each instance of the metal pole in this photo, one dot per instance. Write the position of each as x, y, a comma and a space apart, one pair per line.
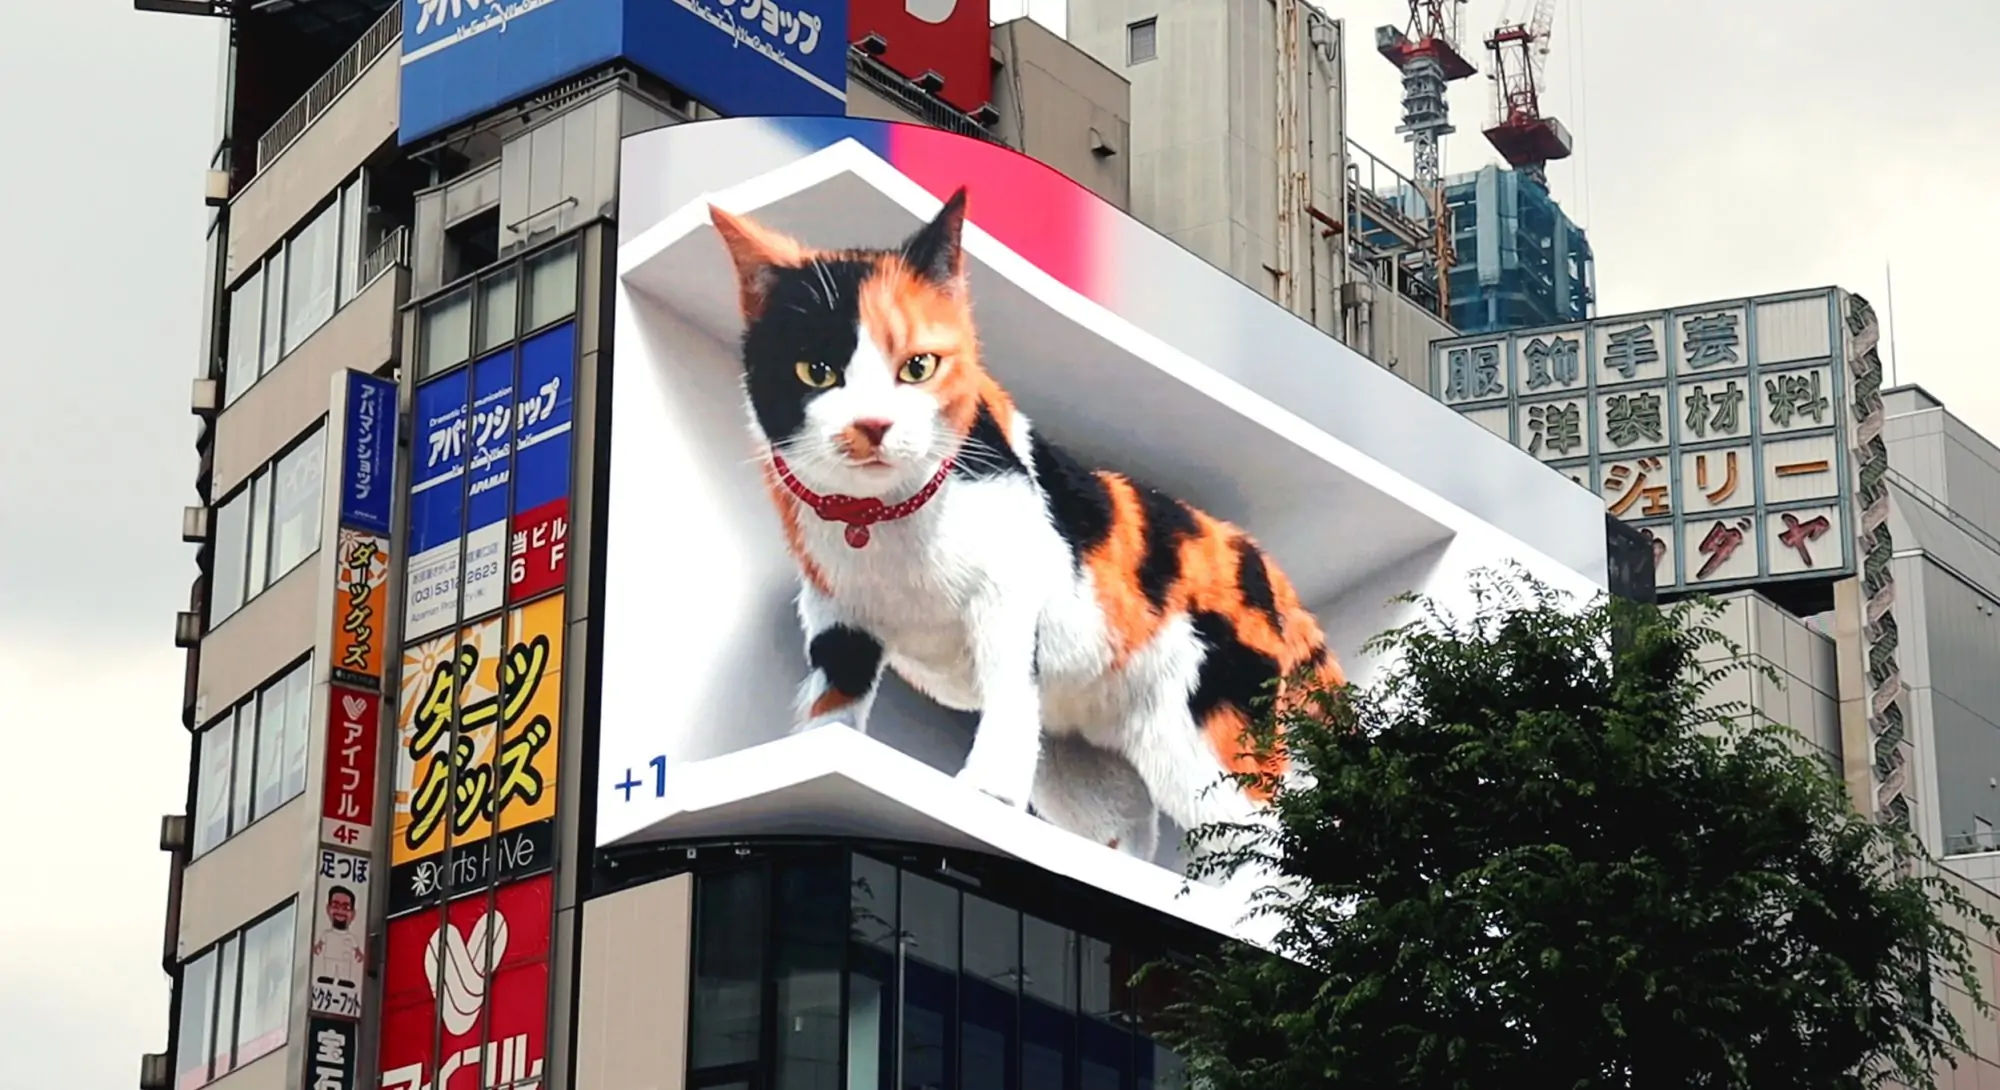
902, 945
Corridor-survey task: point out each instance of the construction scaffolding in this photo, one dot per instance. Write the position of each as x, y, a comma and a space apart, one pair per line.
1521, 260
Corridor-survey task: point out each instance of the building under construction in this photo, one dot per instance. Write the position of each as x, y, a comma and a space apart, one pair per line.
1520, 260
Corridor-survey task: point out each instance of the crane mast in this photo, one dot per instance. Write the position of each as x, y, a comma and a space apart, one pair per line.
1426, 52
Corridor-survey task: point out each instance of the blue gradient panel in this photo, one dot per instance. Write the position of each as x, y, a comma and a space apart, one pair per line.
543, 419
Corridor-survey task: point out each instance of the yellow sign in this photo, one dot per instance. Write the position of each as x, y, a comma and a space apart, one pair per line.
477, 730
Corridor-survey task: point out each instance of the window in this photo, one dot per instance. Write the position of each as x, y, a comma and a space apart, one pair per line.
312, 276
946, 988
496, 310
296, 289
253, 758
551, 285
295, 506
1142, 41
268, 527
246, 331
236, 999
447, 333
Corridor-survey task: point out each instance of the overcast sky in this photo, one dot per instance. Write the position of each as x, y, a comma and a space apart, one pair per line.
1725, 148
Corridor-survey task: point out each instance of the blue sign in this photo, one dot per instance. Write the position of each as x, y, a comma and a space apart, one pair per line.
462, 58
542, 442
491, 446
368, 457
437, 463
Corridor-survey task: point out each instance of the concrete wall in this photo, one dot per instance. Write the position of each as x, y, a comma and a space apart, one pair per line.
1060, 106
247, 875
1806, 695
359, 123
632, 997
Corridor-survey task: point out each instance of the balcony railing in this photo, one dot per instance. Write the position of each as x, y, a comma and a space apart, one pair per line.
393, 250
909, 96
373, 42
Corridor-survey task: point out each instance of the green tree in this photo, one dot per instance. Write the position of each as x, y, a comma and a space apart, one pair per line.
1534, 856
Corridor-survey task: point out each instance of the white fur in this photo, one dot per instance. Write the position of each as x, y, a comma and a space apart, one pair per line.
980, 605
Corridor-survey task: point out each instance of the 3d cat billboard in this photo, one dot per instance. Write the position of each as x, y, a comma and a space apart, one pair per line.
948, 504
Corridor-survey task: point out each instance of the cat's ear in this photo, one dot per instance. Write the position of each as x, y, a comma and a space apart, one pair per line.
933, 252
756, 251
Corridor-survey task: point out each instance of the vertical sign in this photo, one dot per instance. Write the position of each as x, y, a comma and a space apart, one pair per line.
339, 961
465, 991
1718, 432
358, 643
479, 708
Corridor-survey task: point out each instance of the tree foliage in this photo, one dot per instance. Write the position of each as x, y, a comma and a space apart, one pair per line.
1534, 854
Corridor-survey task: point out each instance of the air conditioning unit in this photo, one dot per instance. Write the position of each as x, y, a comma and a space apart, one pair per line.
173, 832
187, 629
931, 81
216, 193
206, 397
195, 525
156, 1071
986, 115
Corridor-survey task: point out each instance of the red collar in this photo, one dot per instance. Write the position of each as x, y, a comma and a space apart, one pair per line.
858, 512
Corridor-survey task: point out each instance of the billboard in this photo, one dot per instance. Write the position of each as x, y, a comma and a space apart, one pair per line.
465, 990
949, 39
339, 959
1717, 431
463, 57
891, 600
477, 741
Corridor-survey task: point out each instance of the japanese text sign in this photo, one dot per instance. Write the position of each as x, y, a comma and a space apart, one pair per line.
339, 957
360, 606
347, 803
329, 1052
368, 453
1704, 427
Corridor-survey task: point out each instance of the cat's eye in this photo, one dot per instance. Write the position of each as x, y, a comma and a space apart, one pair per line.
815, 374
918, 368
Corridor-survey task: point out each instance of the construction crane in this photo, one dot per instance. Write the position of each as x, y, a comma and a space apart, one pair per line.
1426, 52
1522, 135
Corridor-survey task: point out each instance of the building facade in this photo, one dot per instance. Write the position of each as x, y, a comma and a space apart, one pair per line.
459, 816
1521, 261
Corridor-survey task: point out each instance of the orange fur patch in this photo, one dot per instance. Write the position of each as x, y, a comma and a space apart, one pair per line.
829, 702
910, 316
795, 541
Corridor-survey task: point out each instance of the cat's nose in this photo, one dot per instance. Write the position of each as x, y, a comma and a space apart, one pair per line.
872, 430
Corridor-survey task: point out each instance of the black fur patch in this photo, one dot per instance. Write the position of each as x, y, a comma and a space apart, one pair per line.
810, 315
1231, 674
1168, 523
987, 452
850, 658
1253, 578
1078, 503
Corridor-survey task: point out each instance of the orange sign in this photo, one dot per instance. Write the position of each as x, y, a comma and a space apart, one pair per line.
360, 605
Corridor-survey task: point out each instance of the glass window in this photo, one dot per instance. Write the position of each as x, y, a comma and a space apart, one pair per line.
300, 480
447, 333
270, 705
197, 1024
1048, 972
1142, 41
496, 310
552, 286
989, 1042
211, 798
260, 535
1048, 1026
224, 1033
274, 308
232, 534
267, 986
353, 213
246, 312
930, 979
810, 939
729, 968
872, 958
246, 771
312, 273
298, 729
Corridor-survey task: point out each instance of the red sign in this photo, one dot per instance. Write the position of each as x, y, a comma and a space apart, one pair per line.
950, 38
465, 991
347, 806
538, 550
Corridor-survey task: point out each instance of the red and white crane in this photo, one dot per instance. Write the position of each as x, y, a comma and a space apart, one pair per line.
1520, 132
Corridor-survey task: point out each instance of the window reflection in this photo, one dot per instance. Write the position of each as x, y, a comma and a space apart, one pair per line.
853, 974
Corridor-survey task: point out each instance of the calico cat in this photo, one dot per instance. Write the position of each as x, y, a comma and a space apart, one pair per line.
1110, 637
